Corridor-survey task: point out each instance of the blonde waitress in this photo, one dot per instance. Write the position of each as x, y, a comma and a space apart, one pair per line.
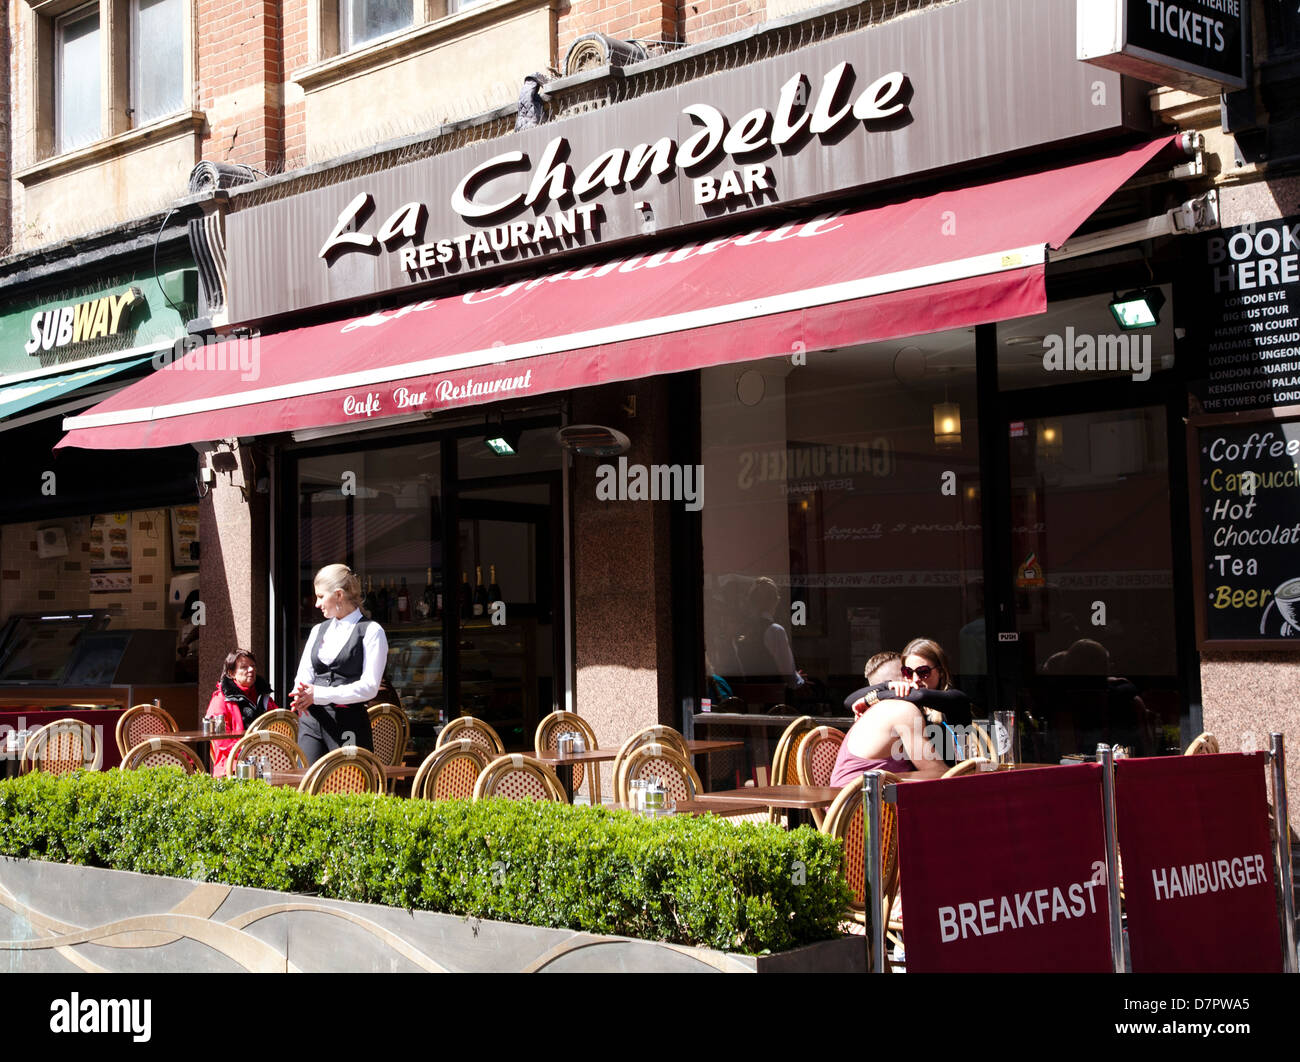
341, 668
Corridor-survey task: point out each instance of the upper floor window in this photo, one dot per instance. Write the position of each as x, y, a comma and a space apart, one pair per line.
157, 59
77, 77
364, 20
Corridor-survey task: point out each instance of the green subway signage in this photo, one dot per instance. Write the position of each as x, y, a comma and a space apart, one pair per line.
80, 323
119, 313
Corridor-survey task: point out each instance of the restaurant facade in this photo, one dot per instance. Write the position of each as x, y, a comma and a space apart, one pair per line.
830, 338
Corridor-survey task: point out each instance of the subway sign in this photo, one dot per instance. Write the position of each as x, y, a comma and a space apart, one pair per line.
68, 325
1197, 45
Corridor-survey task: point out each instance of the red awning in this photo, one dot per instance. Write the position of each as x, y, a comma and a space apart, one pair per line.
954, 259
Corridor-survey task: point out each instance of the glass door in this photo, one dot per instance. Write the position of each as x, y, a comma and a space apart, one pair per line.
506, 641
1089, 634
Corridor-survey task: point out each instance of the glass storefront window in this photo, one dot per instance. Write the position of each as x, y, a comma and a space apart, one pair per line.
847, 488
379, 512
1077, 340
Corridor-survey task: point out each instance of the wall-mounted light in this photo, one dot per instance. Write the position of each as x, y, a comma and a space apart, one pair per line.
1138, 309
502, 441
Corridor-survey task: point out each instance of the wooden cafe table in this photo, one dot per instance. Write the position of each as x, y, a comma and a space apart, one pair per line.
564, 765
202, 740
799, 800
405, 770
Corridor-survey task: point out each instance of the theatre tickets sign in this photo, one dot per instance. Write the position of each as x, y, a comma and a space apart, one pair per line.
895, 101
1197, 45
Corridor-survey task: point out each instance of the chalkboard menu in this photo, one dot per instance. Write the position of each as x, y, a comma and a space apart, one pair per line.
1246, 523
1251, 301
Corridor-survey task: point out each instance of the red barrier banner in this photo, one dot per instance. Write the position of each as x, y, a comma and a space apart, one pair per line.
1198, 864
1005, 872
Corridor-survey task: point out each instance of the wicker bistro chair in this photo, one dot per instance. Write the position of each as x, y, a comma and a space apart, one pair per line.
466, 726
784, 770
657, 761
281, 721
547, 739
656, 735
964, 767
349, 769
518, 777
140, 722
984, 742
450, 771
814, 759
1204, 744
61, 747
390, 730
163, 752
283, 754
844, 820
783, 767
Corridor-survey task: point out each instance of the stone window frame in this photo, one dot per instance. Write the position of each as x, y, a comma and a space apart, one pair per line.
431, 21
116, 114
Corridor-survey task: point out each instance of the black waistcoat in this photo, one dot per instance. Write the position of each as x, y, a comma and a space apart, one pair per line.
348, 665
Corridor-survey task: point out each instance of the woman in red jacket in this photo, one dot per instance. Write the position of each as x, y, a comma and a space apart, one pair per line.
240, 697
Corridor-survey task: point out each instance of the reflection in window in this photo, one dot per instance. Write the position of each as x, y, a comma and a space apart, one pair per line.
78, 78
1078, 341
157, 59
846, 489
364, 20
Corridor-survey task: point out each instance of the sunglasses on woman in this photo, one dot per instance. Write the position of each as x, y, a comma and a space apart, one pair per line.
919, 673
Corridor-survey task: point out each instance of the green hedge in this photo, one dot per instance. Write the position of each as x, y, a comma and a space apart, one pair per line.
698, 881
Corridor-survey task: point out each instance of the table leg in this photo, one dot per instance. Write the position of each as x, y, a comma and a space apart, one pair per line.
564, 771
796, 817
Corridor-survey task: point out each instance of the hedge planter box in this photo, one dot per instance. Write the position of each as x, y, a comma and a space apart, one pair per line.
154, 869
56, 918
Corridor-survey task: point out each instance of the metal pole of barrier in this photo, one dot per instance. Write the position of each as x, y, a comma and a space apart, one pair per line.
1282, 849
1106, 757
873, 867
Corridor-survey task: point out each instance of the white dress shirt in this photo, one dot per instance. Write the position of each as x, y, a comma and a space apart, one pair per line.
334, 636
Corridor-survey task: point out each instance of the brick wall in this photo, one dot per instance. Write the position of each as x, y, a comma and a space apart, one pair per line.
238, 81
643, 20
659, 20
702, 20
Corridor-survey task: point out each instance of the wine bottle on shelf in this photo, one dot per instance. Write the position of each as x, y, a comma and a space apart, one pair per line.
382, 605
403, 603
392, 600
424, 607
369, 603
466, 597
480, 592
494, 591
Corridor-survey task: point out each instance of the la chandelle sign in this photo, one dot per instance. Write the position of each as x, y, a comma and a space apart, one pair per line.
552, 180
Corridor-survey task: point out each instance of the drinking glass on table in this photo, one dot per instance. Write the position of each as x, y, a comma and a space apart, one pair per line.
1004, 736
